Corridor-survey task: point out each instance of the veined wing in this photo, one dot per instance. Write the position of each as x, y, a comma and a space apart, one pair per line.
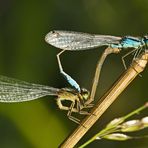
70, 40
13, 90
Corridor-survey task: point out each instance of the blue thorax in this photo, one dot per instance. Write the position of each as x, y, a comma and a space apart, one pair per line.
131, 42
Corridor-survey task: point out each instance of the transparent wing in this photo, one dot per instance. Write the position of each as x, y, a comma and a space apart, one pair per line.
13, 90
70, 40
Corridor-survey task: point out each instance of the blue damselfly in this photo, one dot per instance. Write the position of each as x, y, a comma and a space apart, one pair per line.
75, 41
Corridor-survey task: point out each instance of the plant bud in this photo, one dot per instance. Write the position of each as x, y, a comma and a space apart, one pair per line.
131, 126
115, 122
145, 121
117, 136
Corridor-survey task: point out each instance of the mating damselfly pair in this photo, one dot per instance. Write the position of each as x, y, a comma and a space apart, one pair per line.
12, 90
75, 41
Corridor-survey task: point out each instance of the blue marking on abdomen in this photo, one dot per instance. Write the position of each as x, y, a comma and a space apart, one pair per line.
71, 81
128, 43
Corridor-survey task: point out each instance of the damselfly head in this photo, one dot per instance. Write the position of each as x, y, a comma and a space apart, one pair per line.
56, 39
51, 37
85, 93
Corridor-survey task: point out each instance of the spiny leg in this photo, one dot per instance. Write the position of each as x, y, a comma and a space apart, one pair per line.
74, 119
127, 54
138, 52
88, 105
70, 80
82, 112
80, 107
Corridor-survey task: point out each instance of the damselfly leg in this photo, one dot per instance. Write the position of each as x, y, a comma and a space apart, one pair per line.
135, 51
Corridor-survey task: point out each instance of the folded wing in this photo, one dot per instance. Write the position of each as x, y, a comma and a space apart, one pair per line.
13, 90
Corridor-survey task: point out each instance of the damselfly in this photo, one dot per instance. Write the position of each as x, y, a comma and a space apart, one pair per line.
13, 90
74, 41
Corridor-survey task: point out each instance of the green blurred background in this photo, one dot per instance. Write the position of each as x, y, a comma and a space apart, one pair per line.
25, 55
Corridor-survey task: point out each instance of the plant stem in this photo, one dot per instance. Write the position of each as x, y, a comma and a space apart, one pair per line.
108, 131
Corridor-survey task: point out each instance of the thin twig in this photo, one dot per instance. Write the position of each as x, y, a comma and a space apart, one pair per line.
125, 79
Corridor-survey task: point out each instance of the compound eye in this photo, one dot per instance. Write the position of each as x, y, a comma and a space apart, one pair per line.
85, 93
53, 31
84, 90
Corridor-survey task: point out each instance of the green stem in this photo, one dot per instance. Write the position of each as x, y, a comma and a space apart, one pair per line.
136, 111
111, 129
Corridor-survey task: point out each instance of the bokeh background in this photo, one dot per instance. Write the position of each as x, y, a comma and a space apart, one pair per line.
25, 55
